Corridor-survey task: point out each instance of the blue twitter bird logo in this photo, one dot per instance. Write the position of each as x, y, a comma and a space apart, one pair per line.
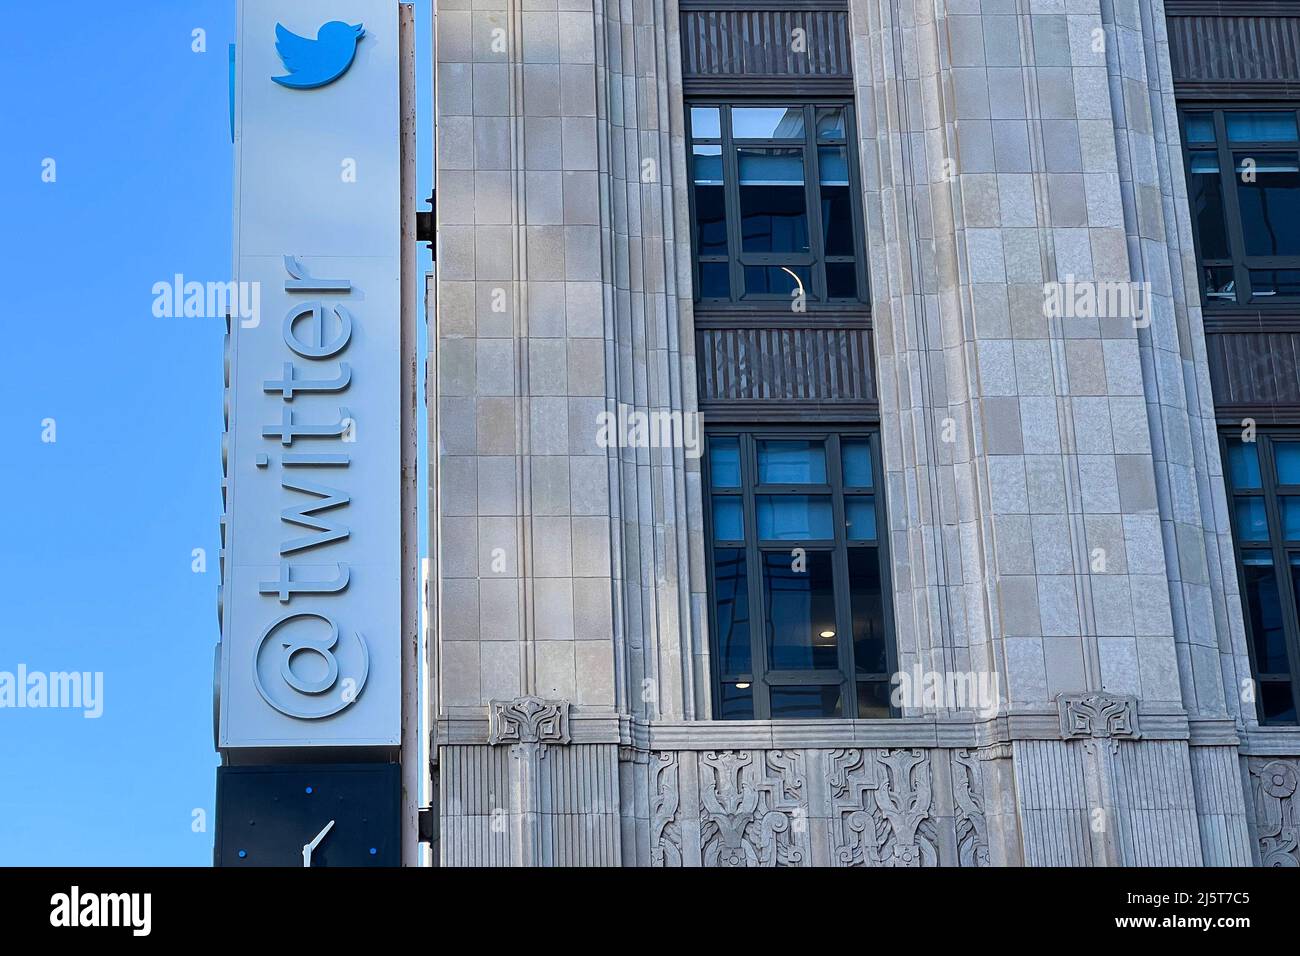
318, 62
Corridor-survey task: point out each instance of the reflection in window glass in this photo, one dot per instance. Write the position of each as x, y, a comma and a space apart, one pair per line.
779, 281
710, 202
1199, 128
860, 518
728, 518
795, 518
1205, 196
724, 462
737, 701
837, 204
1268, 284
1277, 702
799, 596
830, 124
731, 610
873, 699
1252, 519
767, 122
1268, 194
791, 462
867, 601
705, 123
816, 700
773, 207
1290, 507
1261, 127
1266, 627
1286, 459
855, 459
1243, 464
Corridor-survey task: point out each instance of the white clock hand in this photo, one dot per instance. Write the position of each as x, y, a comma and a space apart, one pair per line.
308, 847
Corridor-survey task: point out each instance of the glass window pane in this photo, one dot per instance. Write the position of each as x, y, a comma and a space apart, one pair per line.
1274, 283
1199, 127
860, 518
707, 164
1286, 457
777, 280
1243, 464
830, 123
1263, 127
728, 518
836, 204
731, 610
799, 601
724, 462
1220, 283
817, 700
841, 280
1268, 192
1290, 506
1278, 704
773, 206
795, 518
873, 699
791, 462
737, 702
1264, 608
767, 122
866, 601
715, 280
705, 123
855, 459
1252, 521
1205, 197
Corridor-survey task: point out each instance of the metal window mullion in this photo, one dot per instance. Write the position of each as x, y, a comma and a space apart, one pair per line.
840, 582
1232, 210
813, 200
754, 569
731, 203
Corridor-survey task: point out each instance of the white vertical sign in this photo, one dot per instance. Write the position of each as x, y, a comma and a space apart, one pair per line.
311, 587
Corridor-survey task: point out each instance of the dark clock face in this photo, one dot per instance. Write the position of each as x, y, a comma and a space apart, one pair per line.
310, 815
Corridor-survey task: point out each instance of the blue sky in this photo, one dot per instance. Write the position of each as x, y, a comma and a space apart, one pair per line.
99, 526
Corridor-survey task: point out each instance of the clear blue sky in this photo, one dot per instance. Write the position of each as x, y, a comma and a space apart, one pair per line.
98, 528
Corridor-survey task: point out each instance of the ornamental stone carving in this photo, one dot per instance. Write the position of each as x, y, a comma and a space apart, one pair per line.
528, 720
1097, 716
1277, 814
753, 808
665, 801
968, 795
881, 805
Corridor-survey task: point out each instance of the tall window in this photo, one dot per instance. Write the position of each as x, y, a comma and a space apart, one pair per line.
776, 208
800, 619
1264, 484
1243, 185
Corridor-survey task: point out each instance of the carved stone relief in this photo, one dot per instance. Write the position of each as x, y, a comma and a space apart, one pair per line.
528, 720
1277, 810
753, 808
665, 801
881, 808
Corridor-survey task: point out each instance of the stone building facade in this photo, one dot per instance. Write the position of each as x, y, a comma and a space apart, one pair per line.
614, 224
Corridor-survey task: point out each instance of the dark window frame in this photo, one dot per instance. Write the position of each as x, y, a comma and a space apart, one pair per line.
760, 678
1280, 550
1240, 263
816, 301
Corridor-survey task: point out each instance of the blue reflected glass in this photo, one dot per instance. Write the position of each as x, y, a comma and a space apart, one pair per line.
1252, 522
731, 610
1243, 464
791, 462
860, 518
1262, 127
1199, 127
707, 165
728, 518
705, 123
724, 462
799, 603
1286, 457
813, 701
1290, 517
795, 518
830, 123
1264, 609
855, 459
767, 122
